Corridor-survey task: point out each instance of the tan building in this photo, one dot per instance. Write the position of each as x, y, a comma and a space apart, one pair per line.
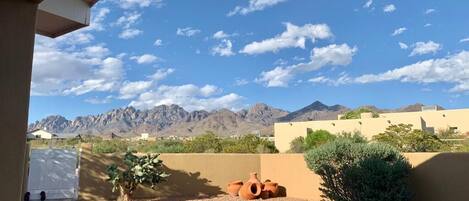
430, 119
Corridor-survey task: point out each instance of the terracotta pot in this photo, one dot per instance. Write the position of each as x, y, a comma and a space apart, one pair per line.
233, 187
250, 190
253, 178
264, 194
272, 188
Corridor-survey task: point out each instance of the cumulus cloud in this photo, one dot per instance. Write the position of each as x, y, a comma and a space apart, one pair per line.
254, 5
128, 19
223, 49
241, 82
429, 11
403, 45
187, 31
145, 59
132, 89
85, 69
389, 8
421, 48
464, 40
294, 36
130, 33
221, 35
368, 4
158, 42
189, 96
161, 74
334, 55
398, 31
96, 100
132, 4
453, 69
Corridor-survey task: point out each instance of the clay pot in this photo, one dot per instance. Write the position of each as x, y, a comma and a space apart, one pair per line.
253, 178
264, 194
233, 187
250, 190
271, 188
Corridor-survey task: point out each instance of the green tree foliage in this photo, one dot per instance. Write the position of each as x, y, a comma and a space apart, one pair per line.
317, 137
161, 146
248, 144
206, 143
356, 137
406, 139
146, 170
110, 146
297, 145
356, 114
360, 172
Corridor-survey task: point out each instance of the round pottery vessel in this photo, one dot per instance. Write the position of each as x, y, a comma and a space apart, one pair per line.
233, 187
253, 178
250, 191
272, 188
264, 194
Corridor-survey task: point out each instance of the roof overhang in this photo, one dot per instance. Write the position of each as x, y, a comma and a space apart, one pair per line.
58, 17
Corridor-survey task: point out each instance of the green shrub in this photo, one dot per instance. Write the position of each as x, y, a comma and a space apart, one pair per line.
206, 143
360, 172
297, 145
110, 146
161, 146
356, 137
248, 144
317, 138
356, 114
406, 139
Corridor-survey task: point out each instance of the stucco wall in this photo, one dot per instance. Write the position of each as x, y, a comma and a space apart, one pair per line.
435, 176
442, 119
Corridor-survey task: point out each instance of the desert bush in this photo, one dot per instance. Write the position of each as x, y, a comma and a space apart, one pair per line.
360, 172
406, 139
206, 143
110, 146
316, 138
161, 146
356, 137
356, 114
146, 170
297, 145
448, 133
248, 144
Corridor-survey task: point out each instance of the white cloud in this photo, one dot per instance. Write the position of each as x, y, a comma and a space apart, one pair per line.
453, 69
429, 11
220, 35
421, 48
158, 42
389, 8
145, 59
403, 45
132, 89
427, 25
223, 49
130, 33
241, 82
398, 31
368, 4
96, 100
254, 5
131, 4
161, 74
128, 19
464, 40
294, 36
188, 31
84, 68
334, 55
189, 96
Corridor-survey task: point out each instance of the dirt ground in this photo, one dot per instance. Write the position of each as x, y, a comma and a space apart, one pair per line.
225, 198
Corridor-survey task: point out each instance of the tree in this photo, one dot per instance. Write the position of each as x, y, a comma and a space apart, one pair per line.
360, 172
145, 170
317, 137
297, 145
406, 139
206, 143
248, 144
356, 114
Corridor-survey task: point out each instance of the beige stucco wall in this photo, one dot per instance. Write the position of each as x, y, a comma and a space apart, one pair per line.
435, 176
286, 132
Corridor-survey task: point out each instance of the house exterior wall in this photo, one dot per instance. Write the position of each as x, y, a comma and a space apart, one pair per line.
42, 134
428, 120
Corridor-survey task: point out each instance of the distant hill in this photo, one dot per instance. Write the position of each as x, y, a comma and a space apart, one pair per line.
165, 120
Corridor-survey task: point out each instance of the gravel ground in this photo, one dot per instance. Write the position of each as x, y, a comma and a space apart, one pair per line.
225, 198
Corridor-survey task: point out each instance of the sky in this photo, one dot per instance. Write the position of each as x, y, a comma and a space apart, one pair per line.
212, 54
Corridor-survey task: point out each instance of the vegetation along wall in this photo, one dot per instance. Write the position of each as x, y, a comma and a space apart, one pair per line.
435, 176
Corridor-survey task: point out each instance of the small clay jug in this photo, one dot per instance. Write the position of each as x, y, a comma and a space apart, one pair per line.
272, 188
264, 194
253, 178
233, 187
250, 190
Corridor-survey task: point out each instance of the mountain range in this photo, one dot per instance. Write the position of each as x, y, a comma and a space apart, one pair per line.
166, 120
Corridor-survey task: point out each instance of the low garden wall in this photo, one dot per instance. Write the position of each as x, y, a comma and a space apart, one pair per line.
435, 176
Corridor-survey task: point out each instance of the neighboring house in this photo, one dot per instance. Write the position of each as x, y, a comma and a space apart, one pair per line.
430, 119
40, 134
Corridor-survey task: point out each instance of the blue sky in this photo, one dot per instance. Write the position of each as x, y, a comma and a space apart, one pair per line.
215, 54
